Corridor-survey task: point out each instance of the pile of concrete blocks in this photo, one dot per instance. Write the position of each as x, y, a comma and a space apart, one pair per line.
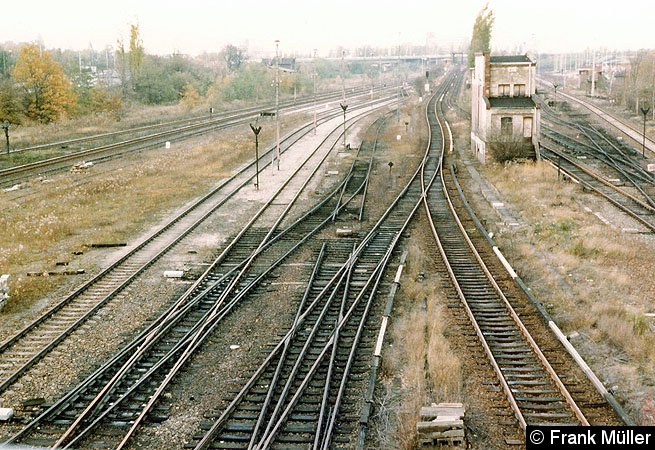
442, 424
4, 290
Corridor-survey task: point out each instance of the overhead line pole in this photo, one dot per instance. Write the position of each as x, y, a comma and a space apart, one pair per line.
277, 104
314, 74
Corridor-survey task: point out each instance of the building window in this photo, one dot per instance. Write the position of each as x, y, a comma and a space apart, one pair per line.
506, 126
519, 90
503, 90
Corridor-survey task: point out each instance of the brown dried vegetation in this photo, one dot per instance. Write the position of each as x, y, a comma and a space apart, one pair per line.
113, 202
594, 278
419, 367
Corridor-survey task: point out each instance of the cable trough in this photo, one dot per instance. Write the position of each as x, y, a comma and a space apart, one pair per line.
535, 387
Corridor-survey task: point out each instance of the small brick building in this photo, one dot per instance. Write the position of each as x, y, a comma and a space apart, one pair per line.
503, 110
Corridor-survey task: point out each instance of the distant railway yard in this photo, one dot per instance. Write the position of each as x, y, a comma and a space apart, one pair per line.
366, 277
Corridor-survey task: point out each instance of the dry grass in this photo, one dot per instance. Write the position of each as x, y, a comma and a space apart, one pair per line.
403, 153
52, 220
420, 361
135, 115
444, 367
593, 278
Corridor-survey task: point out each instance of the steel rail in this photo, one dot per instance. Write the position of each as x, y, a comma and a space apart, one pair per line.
633, 211
285, 348
187, 131
276, 421
618, 123
242, 293
222, 115
214, 312
372, 283
128, 279
370, 166
175, 308
523, 330
620, 169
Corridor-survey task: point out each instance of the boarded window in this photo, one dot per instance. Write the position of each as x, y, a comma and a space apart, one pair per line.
519, 90
506, 126
527, 127
503, 90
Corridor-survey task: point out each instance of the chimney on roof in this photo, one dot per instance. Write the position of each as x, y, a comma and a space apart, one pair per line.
487, 74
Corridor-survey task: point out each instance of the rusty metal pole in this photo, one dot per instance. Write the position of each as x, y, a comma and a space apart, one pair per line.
644, 111
555, 86
314, 75
5, 126
256, 130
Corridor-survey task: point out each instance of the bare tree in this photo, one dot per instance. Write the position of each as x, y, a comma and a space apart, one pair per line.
122, 64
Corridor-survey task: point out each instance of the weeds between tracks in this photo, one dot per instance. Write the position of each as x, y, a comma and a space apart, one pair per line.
594, 278
419, 368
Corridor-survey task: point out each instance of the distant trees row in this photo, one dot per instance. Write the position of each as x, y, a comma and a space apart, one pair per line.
46, 86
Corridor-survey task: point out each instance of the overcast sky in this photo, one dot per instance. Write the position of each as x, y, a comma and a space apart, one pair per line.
195, 26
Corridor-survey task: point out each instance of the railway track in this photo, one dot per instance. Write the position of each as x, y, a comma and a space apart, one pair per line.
27, 347
635, 207
116, 393
590, 143
299, 396
539, 388
173, 131
622, 125
602, 164
302, 394
88, 140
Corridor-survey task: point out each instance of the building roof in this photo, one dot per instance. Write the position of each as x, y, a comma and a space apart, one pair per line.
512, 102
500, 59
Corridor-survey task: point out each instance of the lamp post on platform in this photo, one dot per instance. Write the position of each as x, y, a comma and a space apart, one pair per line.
277, 104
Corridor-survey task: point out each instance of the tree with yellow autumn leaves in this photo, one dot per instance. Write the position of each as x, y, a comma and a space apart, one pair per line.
48, 94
